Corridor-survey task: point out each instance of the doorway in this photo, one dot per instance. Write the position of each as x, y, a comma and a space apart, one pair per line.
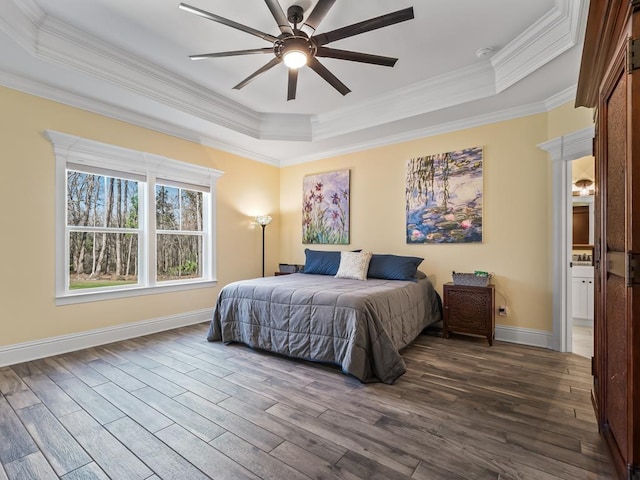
562, 151
582, 280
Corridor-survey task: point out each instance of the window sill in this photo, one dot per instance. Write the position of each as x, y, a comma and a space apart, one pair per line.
87, 297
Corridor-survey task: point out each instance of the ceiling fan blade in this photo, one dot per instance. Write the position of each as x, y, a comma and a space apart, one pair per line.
230, 54
227, 22
316, 16
329, 77
275, 61
365, 26
293, 84
278, 14
356, 56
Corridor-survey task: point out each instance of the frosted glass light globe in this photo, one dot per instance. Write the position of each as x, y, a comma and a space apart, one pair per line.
295, 59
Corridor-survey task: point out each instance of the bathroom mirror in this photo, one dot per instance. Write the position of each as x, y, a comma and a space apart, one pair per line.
583, 220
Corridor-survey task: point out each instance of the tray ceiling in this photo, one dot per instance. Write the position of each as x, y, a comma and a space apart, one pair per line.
129, 60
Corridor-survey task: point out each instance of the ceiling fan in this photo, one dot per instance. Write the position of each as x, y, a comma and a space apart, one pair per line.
297, 47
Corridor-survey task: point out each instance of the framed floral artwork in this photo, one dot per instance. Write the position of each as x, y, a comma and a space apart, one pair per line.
325, 208
444, 197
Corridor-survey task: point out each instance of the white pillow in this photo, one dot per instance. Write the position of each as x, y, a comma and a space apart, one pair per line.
354, 265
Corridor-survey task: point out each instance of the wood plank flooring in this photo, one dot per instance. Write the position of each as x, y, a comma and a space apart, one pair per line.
172, 405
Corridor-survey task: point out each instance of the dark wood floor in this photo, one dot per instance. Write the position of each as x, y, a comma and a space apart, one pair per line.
172, 405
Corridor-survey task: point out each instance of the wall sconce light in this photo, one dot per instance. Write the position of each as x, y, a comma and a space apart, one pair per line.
263, 221
584, 186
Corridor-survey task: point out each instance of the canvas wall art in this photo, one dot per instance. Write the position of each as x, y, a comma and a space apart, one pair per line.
444, 197
325, 208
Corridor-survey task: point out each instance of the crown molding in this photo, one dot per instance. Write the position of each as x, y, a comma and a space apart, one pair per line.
39, 89
561, 98
21, 21
36, 88
471, 122
463, 85
555, 33
61, 43
552, 35
52, 40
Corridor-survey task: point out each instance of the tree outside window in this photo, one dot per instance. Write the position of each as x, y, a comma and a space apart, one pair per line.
179, 232
103, 231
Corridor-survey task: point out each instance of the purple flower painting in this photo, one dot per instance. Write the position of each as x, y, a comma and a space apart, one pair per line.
444, 197
325, 208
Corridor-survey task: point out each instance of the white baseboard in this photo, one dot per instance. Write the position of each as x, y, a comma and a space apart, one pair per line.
23, 352
525, 336
582, 322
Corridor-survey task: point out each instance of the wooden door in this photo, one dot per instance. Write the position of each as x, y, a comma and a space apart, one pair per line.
612, 302
610, 82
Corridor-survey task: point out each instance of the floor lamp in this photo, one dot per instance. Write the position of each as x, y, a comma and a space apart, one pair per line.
263, 221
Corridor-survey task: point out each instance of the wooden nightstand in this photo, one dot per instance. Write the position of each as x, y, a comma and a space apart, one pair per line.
469, 310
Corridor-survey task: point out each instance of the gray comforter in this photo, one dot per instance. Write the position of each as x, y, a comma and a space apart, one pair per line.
359, 325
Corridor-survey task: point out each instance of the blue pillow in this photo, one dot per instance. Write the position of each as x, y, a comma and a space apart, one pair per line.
394, 267
322, 263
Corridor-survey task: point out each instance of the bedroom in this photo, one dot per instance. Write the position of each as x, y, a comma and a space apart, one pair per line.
517, 217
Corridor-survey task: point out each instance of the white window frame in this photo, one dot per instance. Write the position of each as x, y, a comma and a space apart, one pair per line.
75, 152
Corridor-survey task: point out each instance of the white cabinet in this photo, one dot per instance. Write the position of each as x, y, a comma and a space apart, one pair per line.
582, 292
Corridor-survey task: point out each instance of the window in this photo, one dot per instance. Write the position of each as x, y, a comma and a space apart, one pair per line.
179, 233
102, 230
129, 223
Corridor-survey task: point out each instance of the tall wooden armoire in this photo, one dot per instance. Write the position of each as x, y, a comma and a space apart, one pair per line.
610, 82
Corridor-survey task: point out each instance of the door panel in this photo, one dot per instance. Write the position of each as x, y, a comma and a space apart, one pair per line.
616, 374
614, 291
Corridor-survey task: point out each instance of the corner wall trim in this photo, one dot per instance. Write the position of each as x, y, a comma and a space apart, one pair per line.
525, 336
24, 352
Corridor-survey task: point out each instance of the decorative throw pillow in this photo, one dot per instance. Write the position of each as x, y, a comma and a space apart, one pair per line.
354, 265
394, 267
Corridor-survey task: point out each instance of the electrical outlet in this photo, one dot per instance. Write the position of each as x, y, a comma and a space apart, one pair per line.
502, 310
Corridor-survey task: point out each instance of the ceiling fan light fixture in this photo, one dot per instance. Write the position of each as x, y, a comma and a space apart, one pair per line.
295, 59
298, 45
295, 52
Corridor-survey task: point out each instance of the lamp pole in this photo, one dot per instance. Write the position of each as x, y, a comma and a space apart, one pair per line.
263, 221
264, 225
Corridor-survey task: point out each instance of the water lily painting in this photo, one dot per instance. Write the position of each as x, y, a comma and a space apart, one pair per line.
325, 208
444, 197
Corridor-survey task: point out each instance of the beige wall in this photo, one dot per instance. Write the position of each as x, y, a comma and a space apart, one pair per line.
567, 119
517, 214
28, 310
583, 168
517, 209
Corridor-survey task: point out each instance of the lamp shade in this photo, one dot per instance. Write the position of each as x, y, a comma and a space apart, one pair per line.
264, 220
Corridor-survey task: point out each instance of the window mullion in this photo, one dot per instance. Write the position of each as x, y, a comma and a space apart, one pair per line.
82, 228
150, 242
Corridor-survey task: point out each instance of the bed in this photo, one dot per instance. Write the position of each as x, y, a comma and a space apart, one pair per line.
359, 325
